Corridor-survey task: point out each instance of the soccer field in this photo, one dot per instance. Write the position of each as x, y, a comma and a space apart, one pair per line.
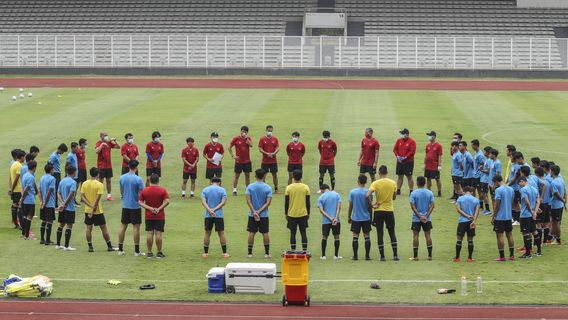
533, 121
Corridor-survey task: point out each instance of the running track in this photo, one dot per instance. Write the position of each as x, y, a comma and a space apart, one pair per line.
117, 82
63, 310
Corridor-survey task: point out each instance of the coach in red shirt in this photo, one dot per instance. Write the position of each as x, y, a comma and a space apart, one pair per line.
369, 155
433, 162
154, 199
328, 150
295, 151
213, 170
190, 158
154, 152
128, 151
104, 163
404, 150
81, 161
269, 146
242, 144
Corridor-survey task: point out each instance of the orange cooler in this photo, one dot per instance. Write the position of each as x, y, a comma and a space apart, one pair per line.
295, 275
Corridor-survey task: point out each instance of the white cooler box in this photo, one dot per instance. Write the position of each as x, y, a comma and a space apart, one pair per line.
250, 278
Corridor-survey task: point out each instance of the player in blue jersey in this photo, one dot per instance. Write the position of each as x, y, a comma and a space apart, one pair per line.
213, 198
359, 216
558, 204
329, 204
259, 198
468, 208
422, 205
502, 217
529, 207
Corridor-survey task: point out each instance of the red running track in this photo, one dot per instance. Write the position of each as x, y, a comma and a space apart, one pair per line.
117, 82
108, 310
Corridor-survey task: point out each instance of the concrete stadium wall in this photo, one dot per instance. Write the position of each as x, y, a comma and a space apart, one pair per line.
522, 74
542, 3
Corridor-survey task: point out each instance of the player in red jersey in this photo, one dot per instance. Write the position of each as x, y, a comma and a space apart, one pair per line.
190, 158
369, 155
433, 162
104, 163
242, 144
295, 151
81, 162
213, 169
328, 150
128, 151
269, 146
154, 152
404, 150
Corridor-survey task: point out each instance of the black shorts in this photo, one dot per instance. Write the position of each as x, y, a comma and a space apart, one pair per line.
269, 167
325, 168
155, 225
96, 219
556, 214
295, 166
432, 174
358, 226
528, 225
404, 168
261, 226
501, 226
213, 172
484, 187
67, 217
457, 180
416, 226
16, 196
47, 214
326, 228
243, 167
151, 171
188, 175
367, 169
465, 228
219, 224
475, 182
382, 218
105, 173
131, 216
466, 182
517, 198
28, 210
82, 175
544, 216
301, 223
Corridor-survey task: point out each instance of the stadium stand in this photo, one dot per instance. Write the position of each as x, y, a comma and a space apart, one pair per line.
381, 17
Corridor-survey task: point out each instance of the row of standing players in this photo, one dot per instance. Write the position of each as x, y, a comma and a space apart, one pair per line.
381, 216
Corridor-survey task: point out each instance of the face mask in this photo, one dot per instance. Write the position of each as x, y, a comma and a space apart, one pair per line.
130, 141
402, 136
157, 139
215, 140
106, 139
325, 139
368, 135
190, 145
455, 139
85, 147
269, 134
430, 138
295, 139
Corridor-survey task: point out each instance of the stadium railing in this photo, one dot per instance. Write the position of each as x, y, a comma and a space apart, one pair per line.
282, 52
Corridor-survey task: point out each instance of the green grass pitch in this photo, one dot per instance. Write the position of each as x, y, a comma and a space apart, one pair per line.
533, 121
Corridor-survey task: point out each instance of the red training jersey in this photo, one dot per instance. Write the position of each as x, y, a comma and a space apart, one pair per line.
81, 163
190, 155
242, 149
268, 145
327, 152
405, 148
154, 196
129, 150
370, 148
155, 150
295, 152
433, 154
103, 157
209, 150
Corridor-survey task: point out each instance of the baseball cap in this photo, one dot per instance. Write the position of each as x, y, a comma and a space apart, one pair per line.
431, 133
404, 131
214, 134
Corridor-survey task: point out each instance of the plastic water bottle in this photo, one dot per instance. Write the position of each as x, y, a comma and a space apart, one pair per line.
479, 285
463, 286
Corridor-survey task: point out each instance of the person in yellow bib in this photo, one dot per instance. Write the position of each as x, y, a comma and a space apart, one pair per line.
15, 188
385, 194
91, 193
297, 209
